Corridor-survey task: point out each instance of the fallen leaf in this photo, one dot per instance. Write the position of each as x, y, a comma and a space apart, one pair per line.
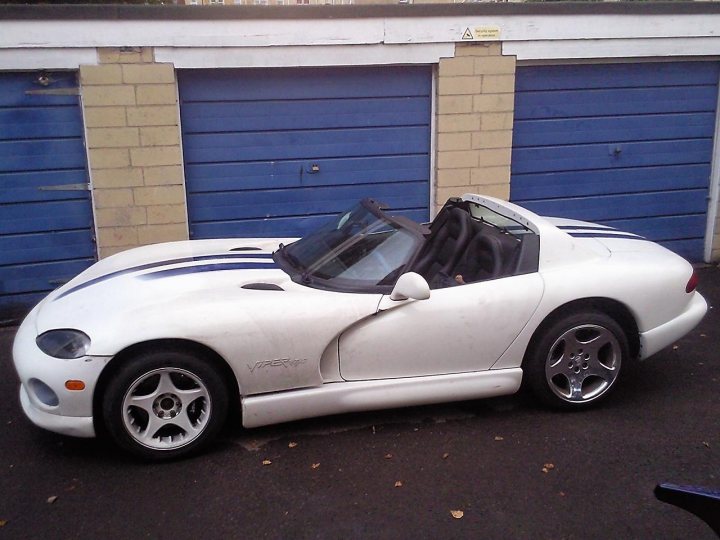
266, 462
547, 467
3, 522
315, 465
446, 455
292, 445
52, 499
398, 484
499, 438
388, 456
706, 444
562, 493
457, 514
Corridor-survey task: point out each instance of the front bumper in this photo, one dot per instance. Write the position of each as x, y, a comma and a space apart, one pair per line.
75, 426
44, 398
666, 334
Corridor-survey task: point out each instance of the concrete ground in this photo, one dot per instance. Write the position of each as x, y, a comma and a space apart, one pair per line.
513, 470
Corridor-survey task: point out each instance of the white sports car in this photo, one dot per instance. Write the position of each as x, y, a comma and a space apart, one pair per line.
153, 346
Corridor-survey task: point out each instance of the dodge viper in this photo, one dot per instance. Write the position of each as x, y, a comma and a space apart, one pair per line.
153, 346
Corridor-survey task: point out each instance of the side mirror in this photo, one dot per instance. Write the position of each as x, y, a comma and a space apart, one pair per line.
410, 285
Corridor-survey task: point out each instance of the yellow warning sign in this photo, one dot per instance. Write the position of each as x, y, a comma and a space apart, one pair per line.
481, 33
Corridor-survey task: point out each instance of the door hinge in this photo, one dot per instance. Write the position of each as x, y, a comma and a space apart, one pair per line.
66, 187
54, 92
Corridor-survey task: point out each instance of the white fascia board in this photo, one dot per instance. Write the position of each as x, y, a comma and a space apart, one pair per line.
204, 33
46, 58
552, 27
611, 48
351, 31
304, 56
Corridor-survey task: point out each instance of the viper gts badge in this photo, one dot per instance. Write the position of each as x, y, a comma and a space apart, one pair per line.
279, 362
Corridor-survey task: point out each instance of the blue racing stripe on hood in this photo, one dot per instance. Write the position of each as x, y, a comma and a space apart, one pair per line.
584, 228
158, 264
201, 268
625, 236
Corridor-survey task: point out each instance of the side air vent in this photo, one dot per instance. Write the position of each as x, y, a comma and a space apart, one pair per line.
246, 249
263, 287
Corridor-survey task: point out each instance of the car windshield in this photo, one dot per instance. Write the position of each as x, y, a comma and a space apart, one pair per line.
361, 250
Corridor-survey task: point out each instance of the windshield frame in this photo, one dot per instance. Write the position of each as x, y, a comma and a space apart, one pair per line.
289, 262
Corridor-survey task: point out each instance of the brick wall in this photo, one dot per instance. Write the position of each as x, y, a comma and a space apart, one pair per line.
133, 139
475, 107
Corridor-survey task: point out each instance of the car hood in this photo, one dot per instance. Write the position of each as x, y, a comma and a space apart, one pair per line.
163, 275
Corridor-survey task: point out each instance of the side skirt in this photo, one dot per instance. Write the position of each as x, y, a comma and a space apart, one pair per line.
345, 397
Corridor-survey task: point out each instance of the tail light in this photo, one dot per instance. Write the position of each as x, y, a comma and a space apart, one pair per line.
692, 283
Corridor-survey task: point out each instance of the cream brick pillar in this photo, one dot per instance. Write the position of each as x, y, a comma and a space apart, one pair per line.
133, 139
474, 122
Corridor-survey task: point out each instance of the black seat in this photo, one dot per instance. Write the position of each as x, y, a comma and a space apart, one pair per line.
482, 260
445, 245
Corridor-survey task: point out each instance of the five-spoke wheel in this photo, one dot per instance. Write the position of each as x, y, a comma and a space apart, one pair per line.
576, 360
164, 404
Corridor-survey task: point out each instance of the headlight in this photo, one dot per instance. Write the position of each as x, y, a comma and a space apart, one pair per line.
65, 344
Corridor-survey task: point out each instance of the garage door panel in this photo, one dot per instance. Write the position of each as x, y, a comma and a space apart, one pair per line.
613, 129
25, 90
46, 217
58, 246
627, 145
38, 277
616, 101
285, 174
304, 114
659, 229
288, 227
305, 83
267, 148
28, 123
604, 156
33, 186
616, 76
688, 248
306, 144
46, 235
613, 207
609, 181
42, 154
315, 200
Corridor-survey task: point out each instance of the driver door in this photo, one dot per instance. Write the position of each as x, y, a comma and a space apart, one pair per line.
458, 329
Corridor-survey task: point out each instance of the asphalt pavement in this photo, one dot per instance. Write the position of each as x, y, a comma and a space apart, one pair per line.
500, 468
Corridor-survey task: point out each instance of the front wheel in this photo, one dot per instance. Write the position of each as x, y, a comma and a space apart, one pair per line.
577, 360
164, 404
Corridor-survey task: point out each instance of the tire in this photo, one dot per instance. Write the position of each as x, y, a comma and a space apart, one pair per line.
576, 360
164, 404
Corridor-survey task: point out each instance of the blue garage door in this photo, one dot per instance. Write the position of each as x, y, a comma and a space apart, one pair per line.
626, 145
46, 225
273, 152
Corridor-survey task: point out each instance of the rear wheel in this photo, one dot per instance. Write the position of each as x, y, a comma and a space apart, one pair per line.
164, 404
577, 360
